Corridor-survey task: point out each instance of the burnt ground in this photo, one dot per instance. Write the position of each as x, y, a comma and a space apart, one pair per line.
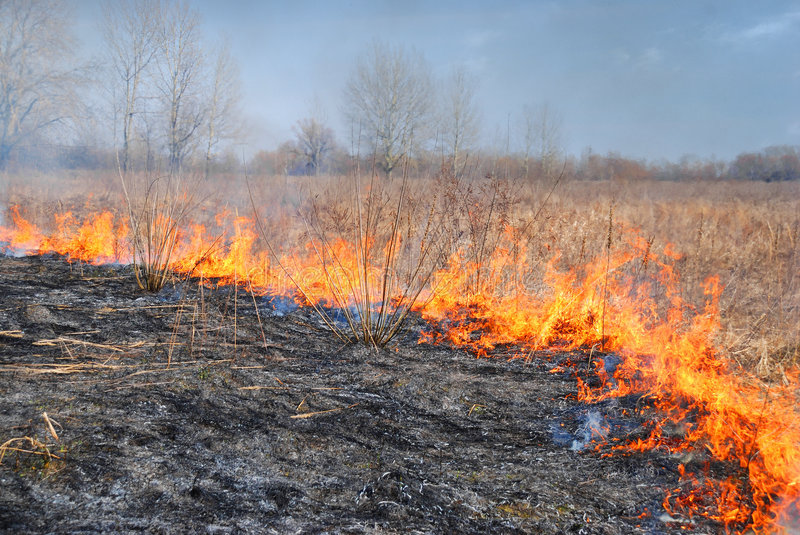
231, 437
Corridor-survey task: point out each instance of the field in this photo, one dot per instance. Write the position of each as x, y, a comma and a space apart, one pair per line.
585, 302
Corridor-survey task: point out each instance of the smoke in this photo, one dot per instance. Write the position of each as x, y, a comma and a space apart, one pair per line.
14, 252
3, 200
788, 517
593, 426
279, 306
610, 363
3, 244
173, 293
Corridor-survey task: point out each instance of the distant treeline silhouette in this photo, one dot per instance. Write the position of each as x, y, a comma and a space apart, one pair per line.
772, 164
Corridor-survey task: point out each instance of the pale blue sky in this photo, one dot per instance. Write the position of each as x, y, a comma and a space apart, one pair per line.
647, 79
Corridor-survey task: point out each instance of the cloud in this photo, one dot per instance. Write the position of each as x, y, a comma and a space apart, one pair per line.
621, 56
647, 58
479, 39
476, 64
651, 56
768, 29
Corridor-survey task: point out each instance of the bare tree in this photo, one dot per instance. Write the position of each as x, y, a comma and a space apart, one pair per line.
180, 64
132, 36
314, 142
459, 119
223, 101
389, 95
541, 134
37, 90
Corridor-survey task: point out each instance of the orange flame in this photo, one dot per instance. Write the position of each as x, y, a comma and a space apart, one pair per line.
667, 355
23, 237
97, 240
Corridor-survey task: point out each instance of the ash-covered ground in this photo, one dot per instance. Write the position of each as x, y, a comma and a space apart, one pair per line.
263, 422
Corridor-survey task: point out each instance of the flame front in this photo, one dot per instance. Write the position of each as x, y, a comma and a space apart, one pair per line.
623, 302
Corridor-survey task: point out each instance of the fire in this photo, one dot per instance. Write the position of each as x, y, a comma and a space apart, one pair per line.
623, 307
229, 260
667, 355
98, 240
23, 237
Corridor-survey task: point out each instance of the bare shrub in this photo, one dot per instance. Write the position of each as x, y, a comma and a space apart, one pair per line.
375, 245
158, 209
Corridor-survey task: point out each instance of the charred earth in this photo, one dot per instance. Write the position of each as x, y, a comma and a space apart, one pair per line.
208, 410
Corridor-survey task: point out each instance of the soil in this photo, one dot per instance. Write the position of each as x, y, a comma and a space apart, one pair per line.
198, 410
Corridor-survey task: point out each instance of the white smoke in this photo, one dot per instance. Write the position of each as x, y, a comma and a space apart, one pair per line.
593, 427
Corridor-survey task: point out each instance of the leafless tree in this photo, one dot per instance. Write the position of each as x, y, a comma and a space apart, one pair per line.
223, 102
459, 117
314, 142
37, 87
541, 135
180, 65
389, 94
132, 37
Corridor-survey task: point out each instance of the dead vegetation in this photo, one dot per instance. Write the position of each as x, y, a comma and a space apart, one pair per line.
159, 208
743, 232
400, 240
747, 233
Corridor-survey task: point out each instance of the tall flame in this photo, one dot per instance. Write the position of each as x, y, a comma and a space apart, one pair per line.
24, 237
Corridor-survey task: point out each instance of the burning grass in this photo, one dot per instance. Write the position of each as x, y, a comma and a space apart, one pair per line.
372, 259
677, 293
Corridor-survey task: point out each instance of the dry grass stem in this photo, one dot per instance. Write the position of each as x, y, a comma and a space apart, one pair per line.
49, 423
63, 340
11, 334
318, 413
139, 385
39, 448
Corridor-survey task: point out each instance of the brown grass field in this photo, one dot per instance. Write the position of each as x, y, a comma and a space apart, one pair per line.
747, 233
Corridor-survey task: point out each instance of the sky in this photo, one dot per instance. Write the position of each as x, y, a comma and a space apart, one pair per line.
646, 79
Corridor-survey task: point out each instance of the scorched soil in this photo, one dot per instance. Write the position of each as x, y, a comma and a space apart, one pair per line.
200, 410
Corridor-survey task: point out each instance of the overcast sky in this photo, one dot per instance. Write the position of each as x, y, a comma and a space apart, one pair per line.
647, 79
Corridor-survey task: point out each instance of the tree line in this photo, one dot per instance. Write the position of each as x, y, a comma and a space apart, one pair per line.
780, 163
160, 99
157, 97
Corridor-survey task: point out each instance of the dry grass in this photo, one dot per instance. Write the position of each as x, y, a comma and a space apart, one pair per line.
29, 448
43, 195
35, 447
748, 233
